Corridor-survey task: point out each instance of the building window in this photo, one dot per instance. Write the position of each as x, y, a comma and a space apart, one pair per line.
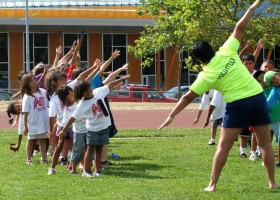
68, 42
4, 70
111, 42
149, 73
38, 49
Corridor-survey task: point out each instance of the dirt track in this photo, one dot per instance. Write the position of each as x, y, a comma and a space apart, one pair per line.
141, 116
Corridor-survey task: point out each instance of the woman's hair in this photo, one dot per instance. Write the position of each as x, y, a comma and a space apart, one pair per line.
80, 88
26, 79
38, 69
63, 92
50, 82
20, 74
202, 51
76, 73
11, 110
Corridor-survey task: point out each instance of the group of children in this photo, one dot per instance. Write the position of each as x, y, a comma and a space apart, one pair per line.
67, 108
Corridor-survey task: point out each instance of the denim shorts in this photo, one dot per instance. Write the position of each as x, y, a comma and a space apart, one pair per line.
250, 111
79, 144
98, 137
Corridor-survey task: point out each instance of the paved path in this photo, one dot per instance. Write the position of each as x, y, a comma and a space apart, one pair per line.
140, 119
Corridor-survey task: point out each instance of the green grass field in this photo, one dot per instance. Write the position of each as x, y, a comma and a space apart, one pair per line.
171, 164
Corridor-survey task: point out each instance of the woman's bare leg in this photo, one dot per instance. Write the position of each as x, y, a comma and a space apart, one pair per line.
264, 141
227, 139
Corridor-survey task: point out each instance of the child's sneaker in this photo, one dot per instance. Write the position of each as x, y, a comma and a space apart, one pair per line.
243, 155
68, 167
97, 174
211, 142
253, 157
51, 171
29, 162
73, 172
106, 163
64, 161
88, 175
44, 161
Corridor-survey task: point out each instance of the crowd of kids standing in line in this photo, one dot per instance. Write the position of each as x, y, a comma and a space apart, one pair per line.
65, 107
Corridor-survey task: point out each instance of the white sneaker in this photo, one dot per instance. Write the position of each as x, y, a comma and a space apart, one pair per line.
97, 174
88, 175
29, 162
253, 158
51, 171
211, 142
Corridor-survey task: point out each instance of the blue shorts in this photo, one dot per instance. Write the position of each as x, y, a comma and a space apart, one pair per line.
251, 111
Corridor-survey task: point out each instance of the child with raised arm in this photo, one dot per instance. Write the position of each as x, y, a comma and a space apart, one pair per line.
246, 103
96, 82
91, 106
66, 97
34, 107
57, 80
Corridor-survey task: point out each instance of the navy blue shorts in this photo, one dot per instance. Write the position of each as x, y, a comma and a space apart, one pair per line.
251, 111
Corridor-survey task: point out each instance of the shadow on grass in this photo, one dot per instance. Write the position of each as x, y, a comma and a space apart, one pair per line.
137, 170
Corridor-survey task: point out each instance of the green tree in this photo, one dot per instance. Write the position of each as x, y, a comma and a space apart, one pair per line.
179, 23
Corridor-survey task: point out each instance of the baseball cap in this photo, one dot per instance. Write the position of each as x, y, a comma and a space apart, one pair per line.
268, 76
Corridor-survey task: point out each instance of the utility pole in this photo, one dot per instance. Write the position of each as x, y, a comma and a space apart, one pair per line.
27, 57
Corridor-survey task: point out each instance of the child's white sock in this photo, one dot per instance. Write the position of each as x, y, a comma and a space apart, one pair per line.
242, 150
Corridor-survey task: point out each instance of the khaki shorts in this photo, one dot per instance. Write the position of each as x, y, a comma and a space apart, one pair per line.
38, 136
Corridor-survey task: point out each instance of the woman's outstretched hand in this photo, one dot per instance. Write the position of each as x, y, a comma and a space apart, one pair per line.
166, 123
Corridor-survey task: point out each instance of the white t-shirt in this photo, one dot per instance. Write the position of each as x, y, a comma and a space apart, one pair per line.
206, 99
72, 83
56, 107
220, 105
36, 106
79, 126
216, 99
95, 118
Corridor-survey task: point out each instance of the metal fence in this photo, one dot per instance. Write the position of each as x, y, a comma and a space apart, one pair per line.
62, 3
